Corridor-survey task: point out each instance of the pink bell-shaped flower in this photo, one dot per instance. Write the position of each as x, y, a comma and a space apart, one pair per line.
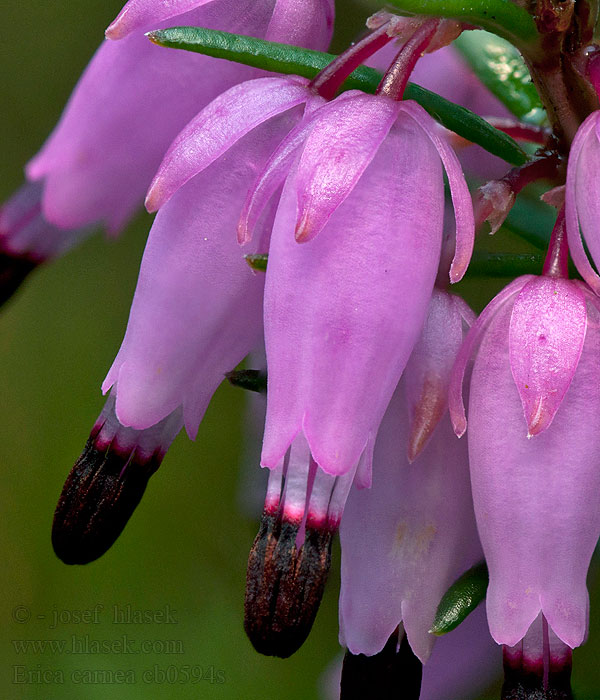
369, 183
343, 310
407, 538
534, 450
196, 313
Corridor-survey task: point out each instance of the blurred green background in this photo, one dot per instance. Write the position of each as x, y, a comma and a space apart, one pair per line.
185, 549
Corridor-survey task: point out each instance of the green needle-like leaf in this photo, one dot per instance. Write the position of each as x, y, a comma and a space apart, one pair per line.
461, 599
500, 67
281, 58
503, 17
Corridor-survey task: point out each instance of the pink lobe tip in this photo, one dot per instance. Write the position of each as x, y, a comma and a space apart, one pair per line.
154, 198
305, 229
460, 426
539, 418
459, 265
428, 412
243, 234
116, 30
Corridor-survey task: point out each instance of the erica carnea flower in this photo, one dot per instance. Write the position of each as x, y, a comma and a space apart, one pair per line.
319, 376
534, 421
195, 315
413, 532
409, 536
339, 330
129, 104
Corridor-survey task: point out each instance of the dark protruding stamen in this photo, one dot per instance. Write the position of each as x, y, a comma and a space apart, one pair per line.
301, 590
13, 270
524, 681
98, 498
393, 673
284, 585
257, 604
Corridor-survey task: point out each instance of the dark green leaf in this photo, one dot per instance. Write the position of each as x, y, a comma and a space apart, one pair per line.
461, 599
281, 58
500, 67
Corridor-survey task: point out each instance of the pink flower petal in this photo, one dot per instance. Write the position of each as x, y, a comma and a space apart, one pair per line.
407, 538
336, 153
276, 170
427, 374
220, 125
581, 199
547, 331
461, 199
306, 23
456, 404
536, 501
